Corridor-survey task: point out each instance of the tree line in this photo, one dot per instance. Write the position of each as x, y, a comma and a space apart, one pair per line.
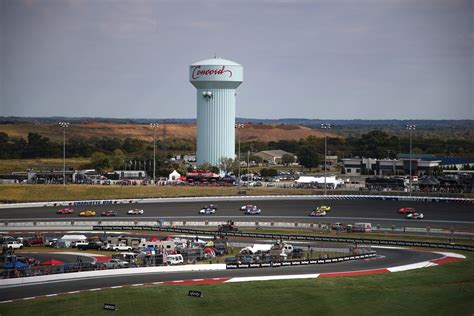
110, 152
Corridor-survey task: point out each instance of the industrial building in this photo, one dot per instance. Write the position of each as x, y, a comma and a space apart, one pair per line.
216, 81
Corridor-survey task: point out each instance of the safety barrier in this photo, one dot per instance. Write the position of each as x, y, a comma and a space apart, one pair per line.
294, 237
299, 262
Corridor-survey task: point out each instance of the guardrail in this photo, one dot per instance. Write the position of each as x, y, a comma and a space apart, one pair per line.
295, 237
351, 197
299, 262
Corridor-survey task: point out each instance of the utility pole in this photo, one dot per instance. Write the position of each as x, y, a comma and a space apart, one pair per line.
237, 127
64, 125
410, 128
325, 127
154, 126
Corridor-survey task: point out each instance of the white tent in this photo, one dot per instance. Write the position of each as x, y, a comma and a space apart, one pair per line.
66, 240
331, 180
174, 176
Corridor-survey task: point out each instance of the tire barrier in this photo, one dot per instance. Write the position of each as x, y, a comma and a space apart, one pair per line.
299, 262
384, 242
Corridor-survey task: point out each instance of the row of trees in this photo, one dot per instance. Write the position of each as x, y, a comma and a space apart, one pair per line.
109, 153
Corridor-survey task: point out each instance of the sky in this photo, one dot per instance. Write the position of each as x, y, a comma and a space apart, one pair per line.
334, 59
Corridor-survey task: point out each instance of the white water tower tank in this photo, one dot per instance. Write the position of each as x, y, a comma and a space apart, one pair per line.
216, 80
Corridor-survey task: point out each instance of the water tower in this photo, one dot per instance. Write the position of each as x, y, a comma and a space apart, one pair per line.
215, 80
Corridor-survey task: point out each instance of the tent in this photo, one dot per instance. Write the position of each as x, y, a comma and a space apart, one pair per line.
66, 240
330, 180
174, 176
52, 262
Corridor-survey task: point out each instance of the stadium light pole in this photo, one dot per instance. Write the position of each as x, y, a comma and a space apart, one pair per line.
410, 128
64, 125
153, 127
325, 127
237, 127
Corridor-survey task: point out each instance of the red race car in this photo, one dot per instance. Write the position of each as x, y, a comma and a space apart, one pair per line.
407, 210
65, 211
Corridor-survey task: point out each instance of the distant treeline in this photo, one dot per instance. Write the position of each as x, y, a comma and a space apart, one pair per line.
374, 144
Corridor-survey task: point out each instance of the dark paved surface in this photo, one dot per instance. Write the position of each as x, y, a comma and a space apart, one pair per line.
387, 258
442, 214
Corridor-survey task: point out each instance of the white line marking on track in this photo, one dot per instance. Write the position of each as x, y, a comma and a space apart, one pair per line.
178, 281
138, 284
116, 287
29, 298
73, 292
51, 295
98, 289
216, 278
9, 301
198, 279
157, 283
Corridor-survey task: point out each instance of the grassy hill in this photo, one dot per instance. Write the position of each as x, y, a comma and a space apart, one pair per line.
251, 132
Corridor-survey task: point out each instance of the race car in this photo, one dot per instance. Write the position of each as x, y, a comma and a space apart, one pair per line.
109, 213
207, 210
323, 208
135, 211
246, 207
407, 210
252, 210
65, 211
317, 212
415, 216
87, 213
211, 206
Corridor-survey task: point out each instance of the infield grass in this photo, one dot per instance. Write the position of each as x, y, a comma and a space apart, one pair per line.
17, 193
440, 290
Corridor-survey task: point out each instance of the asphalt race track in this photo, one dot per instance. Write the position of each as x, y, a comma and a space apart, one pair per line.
386, 258
436, 214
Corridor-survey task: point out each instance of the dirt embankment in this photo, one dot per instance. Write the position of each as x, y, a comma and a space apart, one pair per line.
250, 132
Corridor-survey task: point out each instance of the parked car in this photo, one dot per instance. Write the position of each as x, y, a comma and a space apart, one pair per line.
415, 216
76, 244
109, 213
135, 211
407, 210
87, 213
338, 226
232, 260
119, 247
297, 253
220, 250
116, 263
91, 245
12, 244
65, 211
174, 259
36, 241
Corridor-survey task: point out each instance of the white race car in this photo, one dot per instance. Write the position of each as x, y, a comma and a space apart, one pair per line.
207, 210
135, 211
415, 216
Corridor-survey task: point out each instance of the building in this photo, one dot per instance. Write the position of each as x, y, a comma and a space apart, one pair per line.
386, 167
216, 81
273, 155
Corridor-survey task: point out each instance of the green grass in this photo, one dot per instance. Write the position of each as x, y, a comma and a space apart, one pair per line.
15, 193
441, 290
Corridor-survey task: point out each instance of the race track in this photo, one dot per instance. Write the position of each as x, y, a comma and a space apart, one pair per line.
386, 258
437, 215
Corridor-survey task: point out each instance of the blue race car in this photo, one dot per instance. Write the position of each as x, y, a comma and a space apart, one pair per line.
252, 210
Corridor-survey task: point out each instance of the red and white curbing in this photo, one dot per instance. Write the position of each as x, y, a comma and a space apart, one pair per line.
447, 257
